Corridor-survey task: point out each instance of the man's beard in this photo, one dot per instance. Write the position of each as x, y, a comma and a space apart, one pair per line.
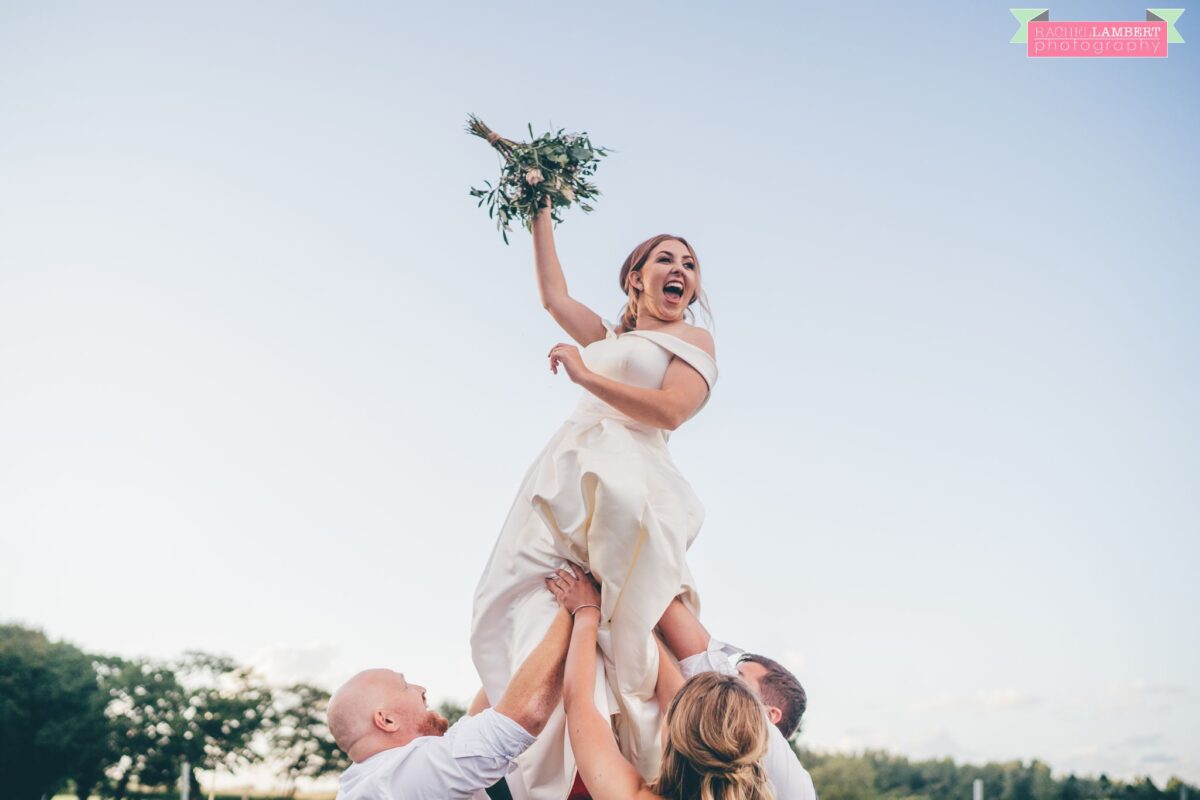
434, 724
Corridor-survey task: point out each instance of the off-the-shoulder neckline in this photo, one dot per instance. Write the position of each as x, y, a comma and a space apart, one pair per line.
662, 333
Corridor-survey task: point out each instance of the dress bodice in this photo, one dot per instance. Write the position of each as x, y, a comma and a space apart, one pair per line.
638, 358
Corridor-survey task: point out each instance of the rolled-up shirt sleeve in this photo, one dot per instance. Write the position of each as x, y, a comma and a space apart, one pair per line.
718, 657
475, 753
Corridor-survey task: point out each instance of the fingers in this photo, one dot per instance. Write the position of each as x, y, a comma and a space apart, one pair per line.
570, 571
563, 579
566, 355
573, 587
555, 589
555, 358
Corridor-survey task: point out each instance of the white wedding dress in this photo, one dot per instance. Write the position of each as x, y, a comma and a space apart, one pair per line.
603, 493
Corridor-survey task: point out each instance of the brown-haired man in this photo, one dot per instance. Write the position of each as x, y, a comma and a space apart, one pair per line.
782, 695
779, 689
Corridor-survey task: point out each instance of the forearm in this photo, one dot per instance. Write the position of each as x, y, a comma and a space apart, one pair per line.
658, 407
604, 770
552, 284
479, 704
682, 631
579, 678
669, 679
537, 685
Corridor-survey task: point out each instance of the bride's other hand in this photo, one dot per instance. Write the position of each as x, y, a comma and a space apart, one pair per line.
573, 588
567, 355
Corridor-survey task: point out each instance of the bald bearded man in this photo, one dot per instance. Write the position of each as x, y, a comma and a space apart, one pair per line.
403, 749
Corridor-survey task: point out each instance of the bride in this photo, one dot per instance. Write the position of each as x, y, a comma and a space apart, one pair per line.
605, 494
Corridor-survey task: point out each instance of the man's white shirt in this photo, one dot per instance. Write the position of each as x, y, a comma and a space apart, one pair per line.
472, 755
788, 776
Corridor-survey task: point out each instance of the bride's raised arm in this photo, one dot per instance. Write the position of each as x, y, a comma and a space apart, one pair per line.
580, 322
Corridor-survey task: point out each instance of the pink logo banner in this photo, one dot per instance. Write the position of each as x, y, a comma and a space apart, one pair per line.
1127, 39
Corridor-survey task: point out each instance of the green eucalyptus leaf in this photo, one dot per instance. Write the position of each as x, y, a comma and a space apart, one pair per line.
563, 160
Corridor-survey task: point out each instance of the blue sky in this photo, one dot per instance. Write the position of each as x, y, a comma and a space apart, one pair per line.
269, 379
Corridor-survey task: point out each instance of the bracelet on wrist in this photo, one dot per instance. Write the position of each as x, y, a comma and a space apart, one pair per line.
586, 605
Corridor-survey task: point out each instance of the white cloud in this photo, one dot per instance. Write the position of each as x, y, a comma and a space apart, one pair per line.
940, 744
312, 663
1006, 699
1136, 696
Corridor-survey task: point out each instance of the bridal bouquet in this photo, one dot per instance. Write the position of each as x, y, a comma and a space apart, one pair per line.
548, 166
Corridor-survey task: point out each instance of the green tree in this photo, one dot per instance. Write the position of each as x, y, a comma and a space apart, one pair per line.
1070, 789
842, 777
451, 711
227, 705
50, 708
202, 708
299, 735
145, 704
1144, 789
100, 749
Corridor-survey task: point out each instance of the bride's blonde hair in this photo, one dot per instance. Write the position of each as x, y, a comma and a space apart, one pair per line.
635, 262
716, 738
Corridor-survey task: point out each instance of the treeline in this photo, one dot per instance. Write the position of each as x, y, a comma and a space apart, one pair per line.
122, 728
115, 727
876, 775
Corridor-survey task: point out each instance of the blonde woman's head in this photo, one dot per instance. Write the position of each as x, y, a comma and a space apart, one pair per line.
716, 737
660, 279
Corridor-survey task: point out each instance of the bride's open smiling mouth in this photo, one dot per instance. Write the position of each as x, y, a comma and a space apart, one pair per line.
673, 290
